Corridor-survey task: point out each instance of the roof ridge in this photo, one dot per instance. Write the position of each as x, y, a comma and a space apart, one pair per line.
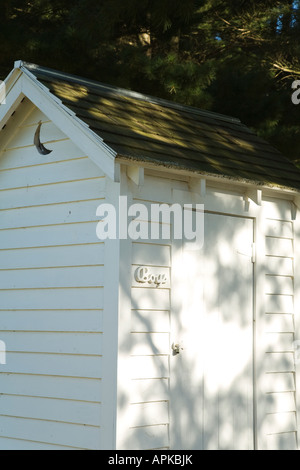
125, 92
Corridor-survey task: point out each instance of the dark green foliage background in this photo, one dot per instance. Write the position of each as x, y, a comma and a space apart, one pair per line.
238, 58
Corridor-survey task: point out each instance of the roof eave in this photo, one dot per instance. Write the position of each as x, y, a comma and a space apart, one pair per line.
21, 82
238, 181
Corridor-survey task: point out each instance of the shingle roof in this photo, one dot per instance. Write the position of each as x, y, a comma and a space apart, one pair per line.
148, 129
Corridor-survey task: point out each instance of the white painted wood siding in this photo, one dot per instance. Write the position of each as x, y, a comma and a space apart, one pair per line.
150, 323
280, 424
150, 335
51, 292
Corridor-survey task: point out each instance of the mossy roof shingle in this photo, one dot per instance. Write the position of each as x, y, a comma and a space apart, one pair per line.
149, 129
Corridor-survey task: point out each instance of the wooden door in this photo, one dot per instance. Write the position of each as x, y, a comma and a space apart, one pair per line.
211, 379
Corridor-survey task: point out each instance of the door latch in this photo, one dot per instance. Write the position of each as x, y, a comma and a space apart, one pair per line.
176, 348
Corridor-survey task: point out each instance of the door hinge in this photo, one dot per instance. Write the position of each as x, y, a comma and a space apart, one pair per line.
253, 256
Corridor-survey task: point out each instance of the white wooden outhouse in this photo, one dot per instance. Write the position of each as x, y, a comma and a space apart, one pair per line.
137, 341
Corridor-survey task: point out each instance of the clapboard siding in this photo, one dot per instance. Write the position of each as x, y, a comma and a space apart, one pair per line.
281, 402
147, 390
278, 342
282, 422
145, 344
52, 256
150, 345
53, 342
55, 235
10, 443
49, 173
279, 363
35, 116
70, 320
64, 192
50, 409
279, 382
279, 323
24, 136
149, 367
279, 228
31, 299
54, 214
282, 285
144, 321
67, 365
150, 298
283, 441
277, 303
60, 277
278, 264
149, 437
279, 246
45, 432
51, 293
151, 413
46, 386
62, 150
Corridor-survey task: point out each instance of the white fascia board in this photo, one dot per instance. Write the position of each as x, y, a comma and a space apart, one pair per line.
82, 136
13, 97
12, 78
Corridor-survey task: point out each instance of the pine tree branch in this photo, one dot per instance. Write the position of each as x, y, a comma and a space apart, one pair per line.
286, 69
244, 32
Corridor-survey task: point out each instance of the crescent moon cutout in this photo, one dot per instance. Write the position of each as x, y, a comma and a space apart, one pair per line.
37, 142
